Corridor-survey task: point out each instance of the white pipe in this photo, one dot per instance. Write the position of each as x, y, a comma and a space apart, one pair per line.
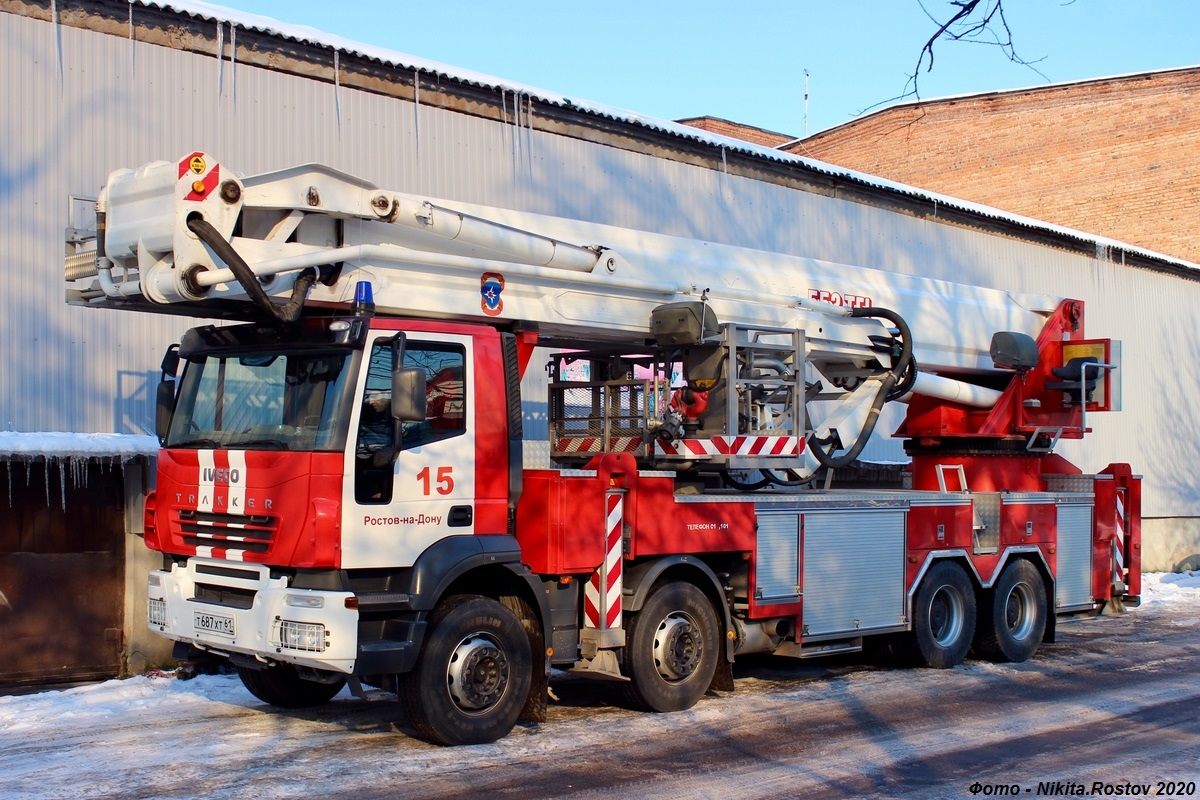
125, 289
521, 246
968, 394
383, 252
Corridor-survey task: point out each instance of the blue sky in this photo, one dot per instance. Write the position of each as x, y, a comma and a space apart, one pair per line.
745, 61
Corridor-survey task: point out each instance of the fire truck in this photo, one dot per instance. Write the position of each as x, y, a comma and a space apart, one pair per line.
443, 450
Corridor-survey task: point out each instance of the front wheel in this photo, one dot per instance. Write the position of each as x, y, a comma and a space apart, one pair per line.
672, 651
1013, 626
943, 618
473, 676
280, 685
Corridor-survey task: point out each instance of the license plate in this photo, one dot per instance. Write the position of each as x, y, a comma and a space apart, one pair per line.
218, 624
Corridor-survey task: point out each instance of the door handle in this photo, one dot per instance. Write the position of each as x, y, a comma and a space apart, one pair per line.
460, 516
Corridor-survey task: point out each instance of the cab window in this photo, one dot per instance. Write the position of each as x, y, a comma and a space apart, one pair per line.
445, 411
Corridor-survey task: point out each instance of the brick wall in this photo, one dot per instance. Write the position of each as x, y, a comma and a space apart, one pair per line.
1117, 157
735, 130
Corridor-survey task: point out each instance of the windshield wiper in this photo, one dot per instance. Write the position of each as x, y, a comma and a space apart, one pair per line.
273, 443
201, 442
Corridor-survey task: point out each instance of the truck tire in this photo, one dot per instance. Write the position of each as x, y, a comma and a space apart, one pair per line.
280, 685
943, 618
473, 675
672, 650
1012, 628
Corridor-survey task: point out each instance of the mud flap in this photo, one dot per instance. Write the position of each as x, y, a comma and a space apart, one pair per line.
723, 678
539, 691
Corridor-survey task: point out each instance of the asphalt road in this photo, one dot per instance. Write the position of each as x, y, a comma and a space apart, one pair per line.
1115, 701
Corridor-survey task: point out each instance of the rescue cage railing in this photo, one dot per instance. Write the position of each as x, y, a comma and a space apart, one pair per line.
760, 398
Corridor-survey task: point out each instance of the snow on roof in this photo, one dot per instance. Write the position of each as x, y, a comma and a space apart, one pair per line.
393, 58
75, 445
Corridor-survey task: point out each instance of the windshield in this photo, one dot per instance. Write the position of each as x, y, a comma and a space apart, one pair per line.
263, 401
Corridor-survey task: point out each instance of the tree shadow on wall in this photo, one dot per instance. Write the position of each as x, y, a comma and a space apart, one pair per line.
133, 403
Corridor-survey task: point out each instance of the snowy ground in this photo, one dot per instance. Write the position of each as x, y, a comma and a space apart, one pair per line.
1103, 704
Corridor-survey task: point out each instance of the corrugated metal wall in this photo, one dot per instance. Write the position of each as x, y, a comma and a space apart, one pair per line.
122, 104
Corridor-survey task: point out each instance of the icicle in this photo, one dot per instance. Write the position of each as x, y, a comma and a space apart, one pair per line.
132, 42
9, 465
503, 118
62, 482
417, 112
78, 472
220, 58
724, 178
529, 136
46, 476
516, 132
337, 88
233, 60
58, 54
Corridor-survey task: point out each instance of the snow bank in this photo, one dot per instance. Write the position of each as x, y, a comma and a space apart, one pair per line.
117, 698
1167, 588
56, 444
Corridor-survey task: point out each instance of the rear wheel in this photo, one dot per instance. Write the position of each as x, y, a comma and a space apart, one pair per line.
280, 685
1012, 628
943, 618
672, 651
473, 676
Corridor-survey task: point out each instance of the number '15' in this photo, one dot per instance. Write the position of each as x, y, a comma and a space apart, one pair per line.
444, 480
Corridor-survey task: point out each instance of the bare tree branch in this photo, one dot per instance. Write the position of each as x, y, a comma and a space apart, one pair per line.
969, 21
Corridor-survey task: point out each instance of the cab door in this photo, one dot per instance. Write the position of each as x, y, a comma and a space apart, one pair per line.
397, 507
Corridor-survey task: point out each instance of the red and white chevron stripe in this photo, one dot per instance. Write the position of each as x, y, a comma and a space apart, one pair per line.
1118, 544
730, 446
758, 445
594, 444
602, 595
686, 448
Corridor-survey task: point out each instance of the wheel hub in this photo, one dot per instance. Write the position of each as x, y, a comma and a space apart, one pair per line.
1018, 611
945, 617
478, 673
678, 647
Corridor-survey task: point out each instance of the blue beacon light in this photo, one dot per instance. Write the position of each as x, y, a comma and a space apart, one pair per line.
364, 300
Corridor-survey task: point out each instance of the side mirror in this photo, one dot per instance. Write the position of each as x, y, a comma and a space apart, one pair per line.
165, 396
408, 395
163, 407
170, 362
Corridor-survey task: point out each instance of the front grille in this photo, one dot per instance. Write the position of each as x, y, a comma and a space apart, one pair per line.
227, 572
230, 531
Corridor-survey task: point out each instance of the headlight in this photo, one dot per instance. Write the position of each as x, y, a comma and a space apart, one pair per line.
304, 601
304, 636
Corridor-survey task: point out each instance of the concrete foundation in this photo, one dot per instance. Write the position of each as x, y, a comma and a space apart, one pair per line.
143, 649
1170, 544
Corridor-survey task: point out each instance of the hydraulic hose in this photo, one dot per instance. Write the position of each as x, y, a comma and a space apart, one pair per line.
898, 374
284, 312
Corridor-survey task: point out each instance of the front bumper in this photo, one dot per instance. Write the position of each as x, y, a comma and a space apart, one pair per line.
226, 607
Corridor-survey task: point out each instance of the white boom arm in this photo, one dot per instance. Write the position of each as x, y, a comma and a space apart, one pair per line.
574, 279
